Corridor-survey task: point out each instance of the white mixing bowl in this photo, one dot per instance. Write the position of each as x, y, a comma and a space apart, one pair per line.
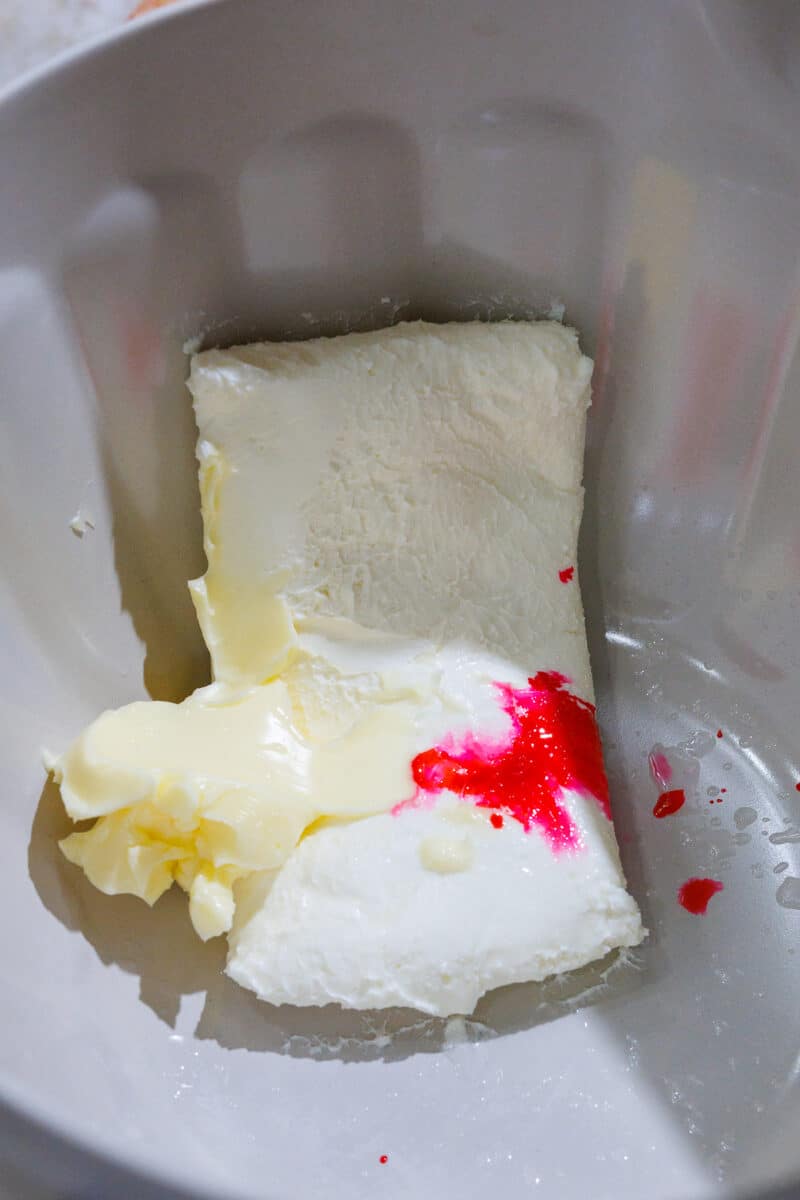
253, 168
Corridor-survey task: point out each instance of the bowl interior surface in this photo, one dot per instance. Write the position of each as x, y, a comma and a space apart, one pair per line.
240, 170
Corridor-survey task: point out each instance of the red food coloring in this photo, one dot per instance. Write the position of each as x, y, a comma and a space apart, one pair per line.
553, 746
669, 803
497, 820
719, 799
719, 733
723, 790
695, 894
797, 786
566, 574
384, 1158
660, 767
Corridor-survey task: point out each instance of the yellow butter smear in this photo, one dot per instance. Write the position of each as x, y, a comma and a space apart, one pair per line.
224, 784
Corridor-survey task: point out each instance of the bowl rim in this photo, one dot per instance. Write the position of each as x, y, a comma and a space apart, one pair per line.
97, 43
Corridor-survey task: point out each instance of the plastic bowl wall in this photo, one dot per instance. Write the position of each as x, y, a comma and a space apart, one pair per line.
269, 169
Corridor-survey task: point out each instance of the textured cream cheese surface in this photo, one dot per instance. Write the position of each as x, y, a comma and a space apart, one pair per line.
392, 792
396, 479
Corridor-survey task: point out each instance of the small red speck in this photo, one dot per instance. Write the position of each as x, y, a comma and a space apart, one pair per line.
497, 820
723, 790
566, 574
669, 803
384, 1158
695, 894
797, 786
711, 802
719, 733
719, 799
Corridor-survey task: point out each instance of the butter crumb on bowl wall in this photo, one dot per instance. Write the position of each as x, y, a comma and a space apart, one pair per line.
82, 521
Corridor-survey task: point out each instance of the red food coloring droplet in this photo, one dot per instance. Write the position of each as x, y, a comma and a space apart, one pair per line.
384, 1158
553, 746
669, 803
719, 733
797, 786
497, 820
723, 790
566, 574
660, 767
695, 894
719, 799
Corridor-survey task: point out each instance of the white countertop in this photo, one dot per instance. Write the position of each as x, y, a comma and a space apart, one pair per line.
32, 31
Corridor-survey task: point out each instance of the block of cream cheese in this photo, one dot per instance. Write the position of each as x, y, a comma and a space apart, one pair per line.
393, 791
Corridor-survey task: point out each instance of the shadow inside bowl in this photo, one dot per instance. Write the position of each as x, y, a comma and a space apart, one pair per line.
161, 948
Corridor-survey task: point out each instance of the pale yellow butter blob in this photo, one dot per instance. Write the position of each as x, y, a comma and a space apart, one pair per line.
205, 792
446, 855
